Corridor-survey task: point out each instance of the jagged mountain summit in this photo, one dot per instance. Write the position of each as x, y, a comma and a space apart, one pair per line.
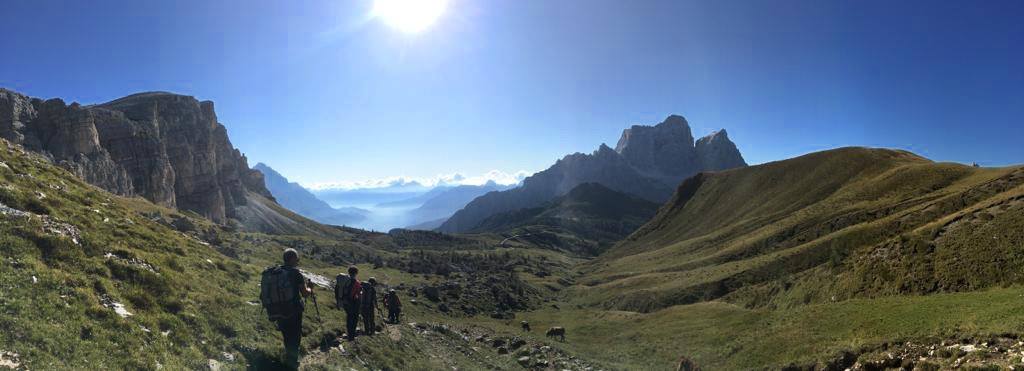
300, 200
648, 161
167, 148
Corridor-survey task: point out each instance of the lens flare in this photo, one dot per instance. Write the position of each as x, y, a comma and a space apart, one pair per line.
409, 16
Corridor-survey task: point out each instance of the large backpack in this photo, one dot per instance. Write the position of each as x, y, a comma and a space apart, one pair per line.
278, 293
343, 290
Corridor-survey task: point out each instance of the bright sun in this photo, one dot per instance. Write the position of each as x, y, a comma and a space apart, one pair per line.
409, 15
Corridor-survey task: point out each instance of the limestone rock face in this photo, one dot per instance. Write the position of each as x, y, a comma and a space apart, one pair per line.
716, 151
167, 148
648, 161
662, 150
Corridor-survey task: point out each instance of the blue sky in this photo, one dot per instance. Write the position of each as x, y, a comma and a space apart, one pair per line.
323, 92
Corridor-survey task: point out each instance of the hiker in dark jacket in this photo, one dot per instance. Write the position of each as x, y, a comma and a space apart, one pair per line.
369, 301
393, 305
351, 304
291, 325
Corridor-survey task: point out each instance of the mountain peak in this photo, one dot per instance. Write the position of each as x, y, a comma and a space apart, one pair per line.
717, 152
720, 134
675, 120
647, 162
267, 170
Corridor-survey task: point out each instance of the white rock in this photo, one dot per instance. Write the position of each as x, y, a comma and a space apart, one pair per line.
9, 360
119, 309
317, 279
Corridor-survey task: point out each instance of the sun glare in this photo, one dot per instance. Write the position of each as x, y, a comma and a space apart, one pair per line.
410, 16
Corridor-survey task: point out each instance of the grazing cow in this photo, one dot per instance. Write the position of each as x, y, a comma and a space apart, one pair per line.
686, 364
526, 326
558, 332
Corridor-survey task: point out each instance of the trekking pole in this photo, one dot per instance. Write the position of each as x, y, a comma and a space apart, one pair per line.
317, 307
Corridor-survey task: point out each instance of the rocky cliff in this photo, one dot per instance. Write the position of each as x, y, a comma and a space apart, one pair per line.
167, 148
648, 161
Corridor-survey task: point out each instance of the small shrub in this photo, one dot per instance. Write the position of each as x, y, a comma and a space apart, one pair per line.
34, 205
140, 299
100, 287
97, 313
85, 333
173, 306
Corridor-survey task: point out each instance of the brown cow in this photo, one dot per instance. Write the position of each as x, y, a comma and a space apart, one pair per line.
556, 331
685, 364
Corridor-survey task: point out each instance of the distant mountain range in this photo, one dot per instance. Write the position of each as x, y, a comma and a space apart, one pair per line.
298, 199
587, 220
444, 204
648, 161
403, 194
401, 204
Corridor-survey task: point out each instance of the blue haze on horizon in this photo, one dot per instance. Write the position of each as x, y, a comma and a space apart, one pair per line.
323, 92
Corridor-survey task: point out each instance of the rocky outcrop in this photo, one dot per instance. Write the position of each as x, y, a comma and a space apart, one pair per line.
664, 150
648, 161
167, 148
716, 151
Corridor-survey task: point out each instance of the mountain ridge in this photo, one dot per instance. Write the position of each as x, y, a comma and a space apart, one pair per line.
805, 229
649, 161
585, 221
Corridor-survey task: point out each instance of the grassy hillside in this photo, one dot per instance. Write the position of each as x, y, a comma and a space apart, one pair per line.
92, 280
89, 280
798, 260
587, 220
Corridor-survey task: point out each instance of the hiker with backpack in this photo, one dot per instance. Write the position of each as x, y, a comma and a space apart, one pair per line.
369, 302
348, 295
393, 305
282, 288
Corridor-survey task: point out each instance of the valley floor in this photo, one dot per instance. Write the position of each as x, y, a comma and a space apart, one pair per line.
943, 330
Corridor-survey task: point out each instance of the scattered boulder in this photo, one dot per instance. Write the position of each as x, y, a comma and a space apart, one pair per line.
182, 224
9, 360
213, 365
524, 361
432, 293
